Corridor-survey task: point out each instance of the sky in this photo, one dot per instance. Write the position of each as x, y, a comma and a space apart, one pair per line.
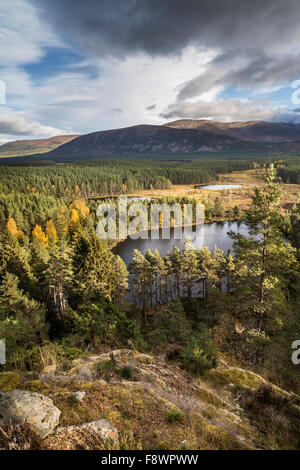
74, 66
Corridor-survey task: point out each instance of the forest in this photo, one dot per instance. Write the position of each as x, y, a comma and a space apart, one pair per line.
62, 285
64, 293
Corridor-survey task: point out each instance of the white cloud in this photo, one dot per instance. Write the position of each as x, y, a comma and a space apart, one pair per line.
22, 34
139, 87
16, 125
230, 110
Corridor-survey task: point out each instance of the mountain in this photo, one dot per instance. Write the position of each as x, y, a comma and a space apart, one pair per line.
254, 131
31, 147
150, 140
186, 136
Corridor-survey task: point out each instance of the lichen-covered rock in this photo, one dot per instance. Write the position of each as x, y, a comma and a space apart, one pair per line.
79, 396
240, 378
31, 408
9, 381
100, 428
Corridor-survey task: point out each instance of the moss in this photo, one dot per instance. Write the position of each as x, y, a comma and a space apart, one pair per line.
218, 437
174, 416
37, 386
9, 381
210, 412
240, 378
209, 397
144, 359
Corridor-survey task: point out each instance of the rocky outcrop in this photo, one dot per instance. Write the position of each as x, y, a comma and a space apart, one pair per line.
30, 408
149, 402
100, 428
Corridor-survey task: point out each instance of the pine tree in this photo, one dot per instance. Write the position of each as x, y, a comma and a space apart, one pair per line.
93, 267
189, 268
58, 277
141, 281
265, 265
121, 279
229, 269
175, 257
14, 259
22, 320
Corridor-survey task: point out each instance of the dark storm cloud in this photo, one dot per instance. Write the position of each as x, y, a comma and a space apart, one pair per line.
167, 26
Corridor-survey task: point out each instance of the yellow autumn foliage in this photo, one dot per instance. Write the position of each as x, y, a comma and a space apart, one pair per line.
40, 235
82, 210
75, 219
12, 227
51, 232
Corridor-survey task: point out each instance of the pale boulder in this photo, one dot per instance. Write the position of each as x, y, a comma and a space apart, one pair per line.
31, 408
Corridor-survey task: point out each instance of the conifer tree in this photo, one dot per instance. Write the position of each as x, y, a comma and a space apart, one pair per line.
58, 277
265, 265
189, 268
121, 279
93, 266
141, 281
22, 320
175, 257
229, 269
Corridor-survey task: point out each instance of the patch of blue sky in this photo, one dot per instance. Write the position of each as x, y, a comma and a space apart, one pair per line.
235, 93
58, 60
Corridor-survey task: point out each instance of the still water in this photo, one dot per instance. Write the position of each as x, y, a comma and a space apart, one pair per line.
210, 235
221, 186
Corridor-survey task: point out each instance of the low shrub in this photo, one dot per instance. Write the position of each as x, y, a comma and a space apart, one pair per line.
200, 353
126, 372
9, 381
105, 369
17, 437
174, 416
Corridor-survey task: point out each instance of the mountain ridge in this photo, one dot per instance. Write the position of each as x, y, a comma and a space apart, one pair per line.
32, 146
185, 136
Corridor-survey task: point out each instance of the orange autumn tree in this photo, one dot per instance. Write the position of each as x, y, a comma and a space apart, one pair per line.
81, 208
38, 233
12, 228
51, 232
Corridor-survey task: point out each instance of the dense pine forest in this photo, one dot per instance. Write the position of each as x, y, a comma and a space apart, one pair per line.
63, 288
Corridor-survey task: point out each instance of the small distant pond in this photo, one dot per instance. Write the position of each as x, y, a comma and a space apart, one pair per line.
142, 199
219, 186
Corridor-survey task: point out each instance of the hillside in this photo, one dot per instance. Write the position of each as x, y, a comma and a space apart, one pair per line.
255, 131
182, 137
36, 146
128, 400
150, 140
